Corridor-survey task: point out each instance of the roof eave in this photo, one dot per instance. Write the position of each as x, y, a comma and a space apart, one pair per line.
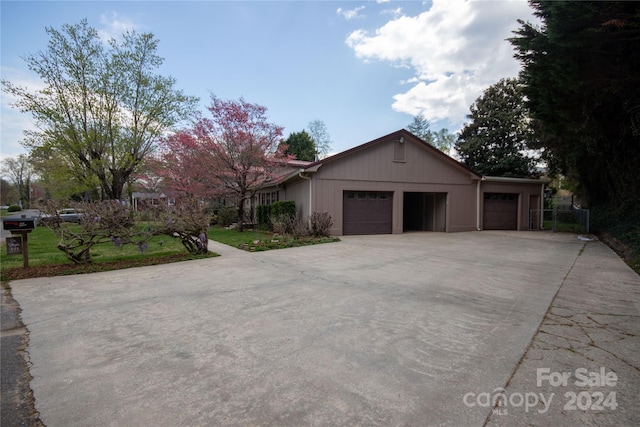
516, 180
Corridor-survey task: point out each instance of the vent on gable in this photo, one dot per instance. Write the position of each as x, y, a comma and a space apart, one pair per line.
399, 150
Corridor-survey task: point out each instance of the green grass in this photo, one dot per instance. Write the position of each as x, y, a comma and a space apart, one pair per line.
235, 238
42, 244
46, 259
42, 250
265, 240
564, 227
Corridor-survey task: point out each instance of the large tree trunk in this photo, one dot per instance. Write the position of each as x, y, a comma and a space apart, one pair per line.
241, 213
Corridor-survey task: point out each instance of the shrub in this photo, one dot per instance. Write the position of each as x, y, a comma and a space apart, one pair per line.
286, 207
14, 208
279, 210
263, 217
300, 228
280, 224
227, 215
320, 223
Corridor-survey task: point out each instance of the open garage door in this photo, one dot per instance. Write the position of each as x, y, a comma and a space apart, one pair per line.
500, 211
424, 211
367, 212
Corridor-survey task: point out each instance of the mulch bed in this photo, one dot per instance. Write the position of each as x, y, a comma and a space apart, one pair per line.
70, 268
630, 255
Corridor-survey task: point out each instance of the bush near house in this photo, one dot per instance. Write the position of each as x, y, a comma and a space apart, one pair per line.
320, 224
284, 211
225, 216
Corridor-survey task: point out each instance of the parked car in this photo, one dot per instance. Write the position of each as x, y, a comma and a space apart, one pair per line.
63, 215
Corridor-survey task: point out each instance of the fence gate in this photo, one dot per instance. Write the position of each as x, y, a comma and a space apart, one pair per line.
572, 219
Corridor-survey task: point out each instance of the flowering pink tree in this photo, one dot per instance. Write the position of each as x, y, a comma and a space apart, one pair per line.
184, 166
228, 155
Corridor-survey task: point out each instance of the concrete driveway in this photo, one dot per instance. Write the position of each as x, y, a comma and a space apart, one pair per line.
408, 329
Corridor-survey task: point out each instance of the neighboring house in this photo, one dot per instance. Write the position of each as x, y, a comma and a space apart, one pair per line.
399, 183
142, 201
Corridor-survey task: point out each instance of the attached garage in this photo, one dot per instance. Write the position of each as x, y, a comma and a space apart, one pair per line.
399, 183
367, 212
500, 211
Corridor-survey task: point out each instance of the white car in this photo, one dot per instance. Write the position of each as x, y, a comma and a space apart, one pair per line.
64, 215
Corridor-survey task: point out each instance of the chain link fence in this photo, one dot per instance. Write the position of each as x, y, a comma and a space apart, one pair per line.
564, 218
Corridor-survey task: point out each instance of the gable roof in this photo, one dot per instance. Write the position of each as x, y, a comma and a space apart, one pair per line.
313, 167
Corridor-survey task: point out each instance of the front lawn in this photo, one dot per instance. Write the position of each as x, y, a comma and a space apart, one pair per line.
254, 241
45, 259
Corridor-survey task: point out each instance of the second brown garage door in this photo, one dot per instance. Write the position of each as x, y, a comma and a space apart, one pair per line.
367, 212
500, 211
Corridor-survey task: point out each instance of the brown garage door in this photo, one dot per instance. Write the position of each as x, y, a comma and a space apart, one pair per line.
367, 212
500, 211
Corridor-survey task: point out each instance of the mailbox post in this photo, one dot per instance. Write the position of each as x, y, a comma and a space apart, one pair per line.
21, 227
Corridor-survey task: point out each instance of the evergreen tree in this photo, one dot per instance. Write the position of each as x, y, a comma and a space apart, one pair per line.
581, 80
300, 145
420, 128
495, 141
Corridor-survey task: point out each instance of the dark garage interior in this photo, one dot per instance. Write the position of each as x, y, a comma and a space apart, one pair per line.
424, 211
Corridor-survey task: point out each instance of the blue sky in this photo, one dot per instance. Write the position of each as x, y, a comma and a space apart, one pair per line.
365, 68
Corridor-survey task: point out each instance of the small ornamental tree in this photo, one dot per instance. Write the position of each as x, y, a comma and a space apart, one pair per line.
113, 221
100, 222
188, 221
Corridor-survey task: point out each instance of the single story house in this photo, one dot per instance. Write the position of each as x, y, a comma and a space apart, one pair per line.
399, 183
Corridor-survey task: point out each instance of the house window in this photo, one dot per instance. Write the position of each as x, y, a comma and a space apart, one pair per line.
268, 198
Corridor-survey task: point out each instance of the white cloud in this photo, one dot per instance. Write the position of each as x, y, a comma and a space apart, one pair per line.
393, 12
113, 25
457, 49
351, 13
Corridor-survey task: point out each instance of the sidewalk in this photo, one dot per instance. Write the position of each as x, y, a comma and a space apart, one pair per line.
225, 250
591, 335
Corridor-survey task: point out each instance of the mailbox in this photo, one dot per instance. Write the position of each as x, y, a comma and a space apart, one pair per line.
18, 224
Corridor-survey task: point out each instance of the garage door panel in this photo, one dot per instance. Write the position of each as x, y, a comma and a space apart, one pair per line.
367, 212
500, 211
